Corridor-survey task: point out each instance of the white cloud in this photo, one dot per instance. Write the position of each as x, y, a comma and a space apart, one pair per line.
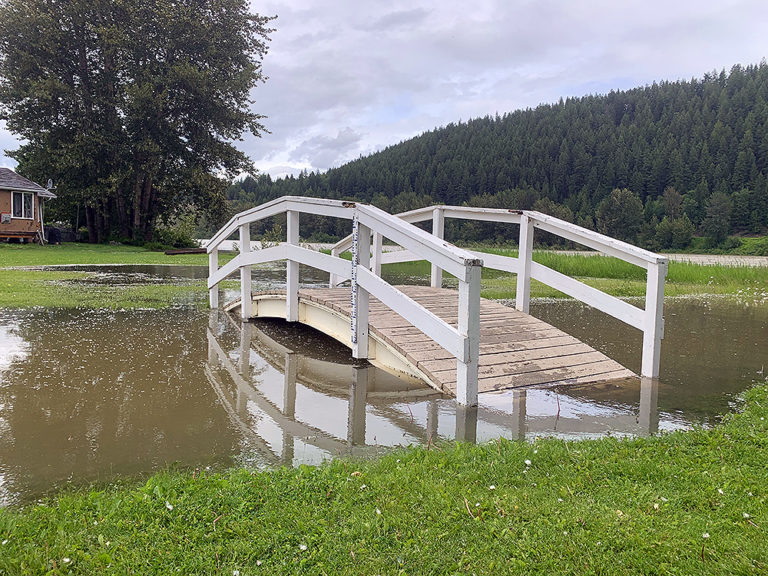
348, 78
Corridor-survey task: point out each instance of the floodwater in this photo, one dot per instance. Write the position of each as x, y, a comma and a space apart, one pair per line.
97, 395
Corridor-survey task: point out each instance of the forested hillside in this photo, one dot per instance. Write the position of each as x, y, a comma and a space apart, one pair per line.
652, 165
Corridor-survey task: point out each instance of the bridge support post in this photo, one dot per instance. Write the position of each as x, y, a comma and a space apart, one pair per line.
358, 392
213, 266
378, 241
333, 281
292, 270
649, 406
469, 327
525, 253
246, 298
653, 323
438, 229
361, 256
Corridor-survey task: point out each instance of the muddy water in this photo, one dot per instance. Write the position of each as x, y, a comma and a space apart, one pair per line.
99, 395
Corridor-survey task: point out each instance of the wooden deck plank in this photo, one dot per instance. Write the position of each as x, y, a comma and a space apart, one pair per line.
516, 349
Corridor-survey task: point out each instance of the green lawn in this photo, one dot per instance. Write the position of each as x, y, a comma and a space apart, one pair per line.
55, 288
683, 503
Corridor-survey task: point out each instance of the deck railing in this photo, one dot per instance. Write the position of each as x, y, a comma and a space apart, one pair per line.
649, 320
367, 221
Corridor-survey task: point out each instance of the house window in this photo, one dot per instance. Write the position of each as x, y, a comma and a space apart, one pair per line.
22, 205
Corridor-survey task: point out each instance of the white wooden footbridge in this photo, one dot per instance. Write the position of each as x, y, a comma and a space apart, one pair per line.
453, 340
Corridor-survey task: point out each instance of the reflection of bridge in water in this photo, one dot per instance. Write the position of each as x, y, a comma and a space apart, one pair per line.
281, 398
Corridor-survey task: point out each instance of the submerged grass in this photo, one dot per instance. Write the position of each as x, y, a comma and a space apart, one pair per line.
30, 288
684, 503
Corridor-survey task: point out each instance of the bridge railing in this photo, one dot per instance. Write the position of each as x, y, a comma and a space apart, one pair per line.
649, 319
461, 341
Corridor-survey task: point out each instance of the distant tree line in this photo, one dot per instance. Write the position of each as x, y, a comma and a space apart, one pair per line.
652, 165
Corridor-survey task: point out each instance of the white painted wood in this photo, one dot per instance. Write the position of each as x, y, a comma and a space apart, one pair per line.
484, 214
396, 256
334, 280
338, 267
592, 239
469, 329
250, 258
292, 268
653, 329
321, 207
438, 230
498, 262
624, 311
525, 254
213, 267
271, 254
460, 212
450, 258
246, 298
430, 324
361, 260
378, 241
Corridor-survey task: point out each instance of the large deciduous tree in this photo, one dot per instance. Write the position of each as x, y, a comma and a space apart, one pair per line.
132, 107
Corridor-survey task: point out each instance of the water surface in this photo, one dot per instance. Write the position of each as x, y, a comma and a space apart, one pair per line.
97, 395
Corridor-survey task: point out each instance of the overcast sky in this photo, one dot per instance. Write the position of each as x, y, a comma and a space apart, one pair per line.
351, 77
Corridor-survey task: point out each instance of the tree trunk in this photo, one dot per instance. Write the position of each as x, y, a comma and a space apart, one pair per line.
137, 230
90, 222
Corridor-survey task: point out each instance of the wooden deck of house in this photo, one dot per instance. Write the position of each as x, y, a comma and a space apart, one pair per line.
516, 349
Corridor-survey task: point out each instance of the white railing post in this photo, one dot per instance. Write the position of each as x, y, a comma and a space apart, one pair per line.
378, 241
525, 253
213, 266
333, 281
653, 323
438, 229
292, 270
469, 328
246, 298
361, 256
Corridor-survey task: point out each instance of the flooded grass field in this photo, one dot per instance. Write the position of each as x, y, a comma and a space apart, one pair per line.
98, 395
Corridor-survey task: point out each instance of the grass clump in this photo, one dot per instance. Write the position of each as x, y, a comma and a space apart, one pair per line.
684, 503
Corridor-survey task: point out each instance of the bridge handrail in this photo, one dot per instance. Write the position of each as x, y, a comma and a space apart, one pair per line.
462, 341
649, 320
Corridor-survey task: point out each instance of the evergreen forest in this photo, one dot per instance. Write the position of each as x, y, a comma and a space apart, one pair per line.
655, 165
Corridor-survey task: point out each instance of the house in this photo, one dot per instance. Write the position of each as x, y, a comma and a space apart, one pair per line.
21, 207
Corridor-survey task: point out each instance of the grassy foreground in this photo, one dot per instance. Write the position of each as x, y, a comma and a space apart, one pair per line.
684, 503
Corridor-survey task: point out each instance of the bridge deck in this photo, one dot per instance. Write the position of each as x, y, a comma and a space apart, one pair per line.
516, 349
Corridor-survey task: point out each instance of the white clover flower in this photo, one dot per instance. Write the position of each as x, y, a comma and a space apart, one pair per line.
168, 505
302, 547
527, 462
720, 491
66, 560
378, 512
705, 535
258, 562
235, 572
559, 499
746, 515
492, 487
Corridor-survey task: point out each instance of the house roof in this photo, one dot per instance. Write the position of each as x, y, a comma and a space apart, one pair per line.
9, 180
